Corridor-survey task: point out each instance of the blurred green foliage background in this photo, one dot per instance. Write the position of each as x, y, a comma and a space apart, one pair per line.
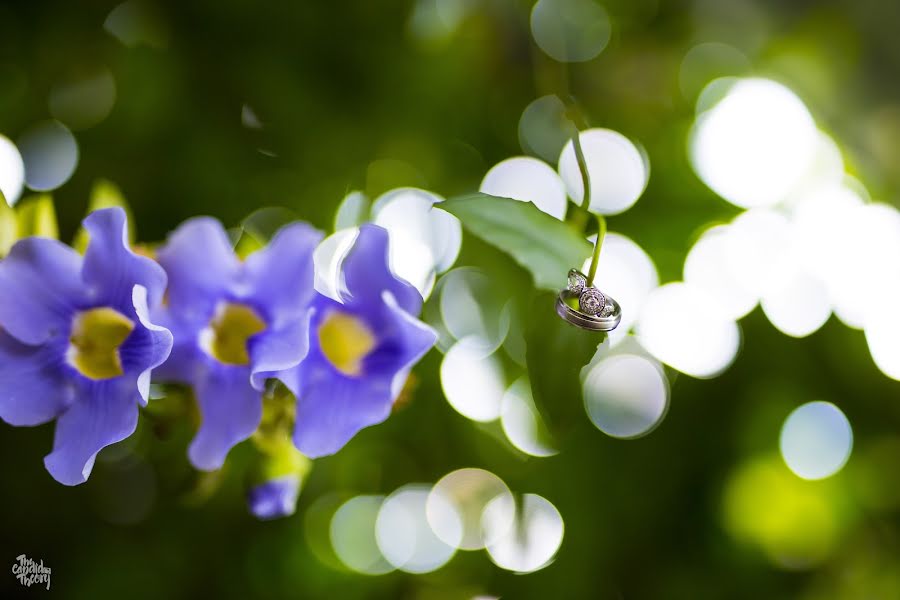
350, 96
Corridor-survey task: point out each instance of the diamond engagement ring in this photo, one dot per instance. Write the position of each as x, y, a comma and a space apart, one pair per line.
587, 307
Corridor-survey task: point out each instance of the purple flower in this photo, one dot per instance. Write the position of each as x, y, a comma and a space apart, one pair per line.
360, 352
236, 324
275, 498
76, 343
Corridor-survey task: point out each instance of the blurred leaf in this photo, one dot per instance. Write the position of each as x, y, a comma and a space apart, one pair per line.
203, 486
353, 211
277, 460
168, 405
386, 174
543, 245
8, 226
276, 455
277, 422
247, 244
36, 215
104, 194
555, 354
265, 222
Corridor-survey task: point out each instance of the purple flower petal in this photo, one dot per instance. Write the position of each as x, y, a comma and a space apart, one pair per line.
332, 408
42, 285
275, 498
367, 273
406, 341
201, 265
186, 360
276, 353
281, 274
111, 269
147, 347
105, 412
276, 283
33, 388
40, 289
231, 411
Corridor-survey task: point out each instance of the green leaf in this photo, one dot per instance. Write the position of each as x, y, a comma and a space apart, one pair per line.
104, 194
555, 354
36, 215
9, 229
546, 247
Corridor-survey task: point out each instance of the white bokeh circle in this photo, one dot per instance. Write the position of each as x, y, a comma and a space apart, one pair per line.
616, 169
528, 180
684, 328
626, 395
12, 171
756, 144
816, 440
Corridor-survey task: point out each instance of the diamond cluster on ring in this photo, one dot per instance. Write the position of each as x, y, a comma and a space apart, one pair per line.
591, 301
577, 281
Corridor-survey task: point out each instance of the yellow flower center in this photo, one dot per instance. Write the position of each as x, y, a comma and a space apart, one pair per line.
94, 344
226, 337
345, 341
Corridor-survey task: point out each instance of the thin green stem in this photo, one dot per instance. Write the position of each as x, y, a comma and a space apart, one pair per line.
582, 166
595, 259
585, 204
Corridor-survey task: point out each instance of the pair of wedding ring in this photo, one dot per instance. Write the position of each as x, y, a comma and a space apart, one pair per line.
596, 311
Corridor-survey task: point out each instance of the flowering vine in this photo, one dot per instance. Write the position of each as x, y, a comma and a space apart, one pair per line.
264, 355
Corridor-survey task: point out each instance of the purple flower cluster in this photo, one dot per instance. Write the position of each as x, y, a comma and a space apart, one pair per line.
80, 336
77, 342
